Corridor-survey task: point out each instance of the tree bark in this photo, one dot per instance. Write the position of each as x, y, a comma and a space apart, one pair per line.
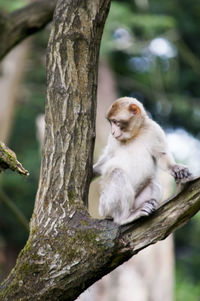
67, 250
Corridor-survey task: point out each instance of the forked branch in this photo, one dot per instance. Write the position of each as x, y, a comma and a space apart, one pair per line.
86, 249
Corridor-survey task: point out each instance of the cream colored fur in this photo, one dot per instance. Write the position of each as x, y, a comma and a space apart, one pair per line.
130, 186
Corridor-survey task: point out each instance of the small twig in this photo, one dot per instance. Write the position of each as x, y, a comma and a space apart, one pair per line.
14, 209
9, 160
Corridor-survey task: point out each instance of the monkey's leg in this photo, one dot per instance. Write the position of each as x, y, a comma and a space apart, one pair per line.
117, 196
146, 202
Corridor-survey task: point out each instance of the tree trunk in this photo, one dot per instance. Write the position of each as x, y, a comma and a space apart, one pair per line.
67, 250
66, 169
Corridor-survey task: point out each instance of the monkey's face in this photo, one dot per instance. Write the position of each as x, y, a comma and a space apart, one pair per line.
119, 129
125, 118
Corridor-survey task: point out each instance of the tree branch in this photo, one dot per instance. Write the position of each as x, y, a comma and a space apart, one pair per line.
67, 250
9, 160
171, 215
108, 246
24, 22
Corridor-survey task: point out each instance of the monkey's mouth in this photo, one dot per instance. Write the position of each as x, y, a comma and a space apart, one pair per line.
118, 137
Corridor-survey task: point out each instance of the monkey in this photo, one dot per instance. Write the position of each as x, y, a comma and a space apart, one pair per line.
129, 165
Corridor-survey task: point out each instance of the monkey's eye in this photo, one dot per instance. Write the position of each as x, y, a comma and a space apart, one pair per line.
115, 122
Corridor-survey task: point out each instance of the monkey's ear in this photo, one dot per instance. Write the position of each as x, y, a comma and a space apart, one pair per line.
134, 109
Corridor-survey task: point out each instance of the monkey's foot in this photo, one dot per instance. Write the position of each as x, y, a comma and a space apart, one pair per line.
148, 207
145, 209
181, 173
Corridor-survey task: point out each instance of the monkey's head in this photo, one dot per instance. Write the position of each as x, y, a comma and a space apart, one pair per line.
126, 116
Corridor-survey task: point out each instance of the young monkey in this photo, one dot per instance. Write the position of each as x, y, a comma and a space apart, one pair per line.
136, 149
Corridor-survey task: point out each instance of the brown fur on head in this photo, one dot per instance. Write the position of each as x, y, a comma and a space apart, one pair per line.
124, 103
126, 116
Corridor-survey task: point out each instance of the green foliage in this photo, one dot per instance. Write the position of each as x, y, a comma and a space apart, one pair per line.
141, 27
155, 80
11, 5
185, 289
188, 249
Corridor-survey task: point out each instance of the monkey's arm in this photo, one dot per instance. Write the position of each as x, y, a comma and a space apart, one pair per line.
180, 172
97, 166
107, 155
166, 161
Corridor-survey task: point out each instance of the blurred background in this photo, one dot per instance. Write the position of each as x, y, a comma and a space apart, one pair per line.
151, 51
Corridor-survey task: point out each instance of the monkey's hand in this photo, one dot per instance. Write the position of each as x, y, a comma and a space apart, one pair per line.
181, 173
96, 171
95, 174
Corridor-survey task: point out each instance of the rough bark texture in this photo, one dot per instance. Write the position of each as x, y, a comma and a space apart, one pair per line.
24, 22
67, 251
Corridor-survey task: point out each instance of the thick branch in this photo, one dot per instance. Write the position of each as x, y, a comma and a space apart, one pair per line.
24, 22
171, 215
